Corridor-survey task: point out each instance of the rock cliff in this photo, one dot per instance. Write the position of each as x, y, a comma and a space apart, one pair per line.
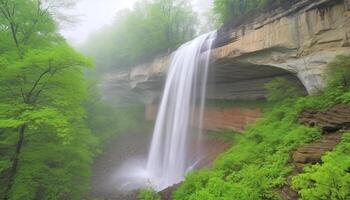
296, 43
215, 118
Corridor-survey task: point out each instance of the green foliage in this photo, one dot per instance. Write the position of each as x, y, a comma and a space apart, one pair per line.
258, 161
257, 164
148, 194
230, 9
43, 92
338, 73
338, 79
24, 25
107, 121
280, 89
329, 180
46, 86
52, 170
43, 88
140, 34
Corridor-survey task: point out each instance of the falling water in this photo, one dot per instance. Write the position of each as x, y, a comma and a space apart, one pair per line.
180, 112
176, 144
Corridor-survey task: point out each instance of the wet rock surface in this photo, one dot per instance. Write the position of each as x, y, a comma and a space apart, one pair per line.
333, 119
312, 153
167, 193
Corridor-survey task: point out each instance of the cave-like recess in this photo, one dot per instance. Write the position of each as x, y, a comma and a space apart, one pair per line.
236, 80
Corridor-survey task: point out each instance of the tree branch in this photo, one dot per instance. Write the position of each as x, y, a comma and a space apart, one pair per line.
23, 96
36, 83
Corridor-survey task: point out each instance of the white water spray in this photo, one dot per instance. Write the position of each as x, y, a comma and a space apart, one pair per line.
181, 110
175, 147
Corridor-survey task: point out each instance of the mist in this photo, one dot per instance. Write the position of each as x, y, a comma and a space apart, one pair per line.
174, 99
92, 15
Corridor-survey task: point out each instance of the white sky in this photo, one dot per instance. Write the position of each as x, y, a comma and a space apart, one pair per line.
94, 14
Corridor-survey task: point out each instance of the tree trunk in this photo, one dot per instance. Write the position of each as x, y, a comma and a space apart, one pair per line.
15, 39
14, 166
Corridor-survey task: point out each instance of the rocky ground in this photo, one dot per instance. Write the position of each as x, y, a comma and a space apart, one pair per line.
306, 155
332, 122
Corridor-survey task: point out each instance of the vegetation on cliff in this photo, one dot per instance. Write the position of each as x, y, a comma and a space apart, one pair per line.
148, 194
329, 180
258, 163
229, 10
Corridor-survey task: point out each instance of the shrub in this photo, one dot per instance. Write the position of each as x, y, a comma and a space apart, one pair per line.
338, 73
148, 194
330, 180
280, 89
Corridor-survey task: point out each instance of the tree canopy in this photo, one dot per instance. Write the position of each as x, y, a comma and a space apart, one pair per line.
42, 88
228, 10
140, 34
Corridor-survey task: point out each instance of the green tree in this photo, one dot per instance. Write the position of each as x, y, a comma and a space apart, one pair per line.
338, 73
140, 34
228, 10
26, 24
42, 83
41, 90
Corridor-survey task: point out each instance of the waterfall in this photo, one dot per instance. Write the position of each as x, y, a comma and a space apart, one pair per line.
176, 144
179, 119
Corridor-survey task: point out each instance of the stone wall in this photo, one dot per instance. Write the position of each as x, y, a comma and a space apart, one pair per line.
233, 118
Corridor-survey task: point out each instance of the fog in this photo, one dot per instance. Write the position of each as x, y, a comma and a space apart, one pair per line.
93, 14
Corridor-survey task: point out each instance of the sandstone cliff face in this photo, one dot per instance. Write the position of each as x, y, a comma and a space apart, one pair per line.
216, 118
296, 43
301, 40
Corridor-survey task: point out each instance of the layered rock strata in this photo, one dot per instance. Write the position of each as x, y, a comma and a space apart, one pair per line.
332, 122
216, 118
296, 43
333, 119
